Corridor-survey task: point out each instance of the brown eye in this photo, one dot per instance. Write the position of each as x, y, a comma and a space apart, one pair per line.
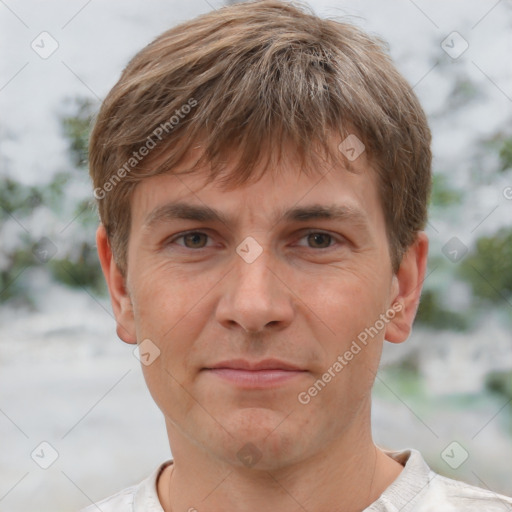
319, 240
193, 240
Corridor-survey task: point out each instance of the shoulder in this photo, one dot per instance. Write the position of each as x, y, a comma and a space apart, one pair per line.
120, 502
463, 496
419, 489
142, 497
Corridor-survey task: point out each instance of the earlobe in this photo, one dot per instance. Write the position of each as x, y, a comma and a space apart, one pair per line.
406, 289
121, 302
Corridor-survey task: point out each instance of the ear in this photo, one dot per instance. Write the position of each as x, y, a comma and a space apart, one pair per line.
121, 302
407, 285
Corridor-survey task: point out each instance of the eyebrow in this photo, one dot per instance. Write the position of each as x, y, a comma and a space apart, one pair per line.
202, 213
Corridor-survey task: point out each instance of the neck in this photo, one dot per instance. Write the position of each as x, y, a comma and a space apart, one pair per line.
347, 475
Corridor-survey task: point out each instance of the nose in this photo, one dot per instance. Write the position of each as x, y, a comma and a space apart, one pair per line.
255, 296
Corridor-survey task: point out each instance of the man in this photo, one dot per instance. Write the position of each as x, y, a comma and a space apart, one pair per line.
262, 177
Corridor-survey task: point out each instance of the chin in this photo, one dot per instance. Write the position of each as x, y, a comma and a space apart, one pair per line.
263, 439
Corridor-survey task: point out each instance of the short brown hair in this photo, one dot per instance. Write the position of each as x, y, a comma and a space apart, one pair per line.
248, 79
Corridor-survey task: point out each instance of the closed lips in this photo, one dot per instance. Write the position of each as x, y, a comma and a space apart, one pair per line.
267, 364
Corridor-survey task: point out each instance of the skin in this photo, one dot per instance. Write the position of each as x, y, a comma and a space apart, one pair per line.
303, 300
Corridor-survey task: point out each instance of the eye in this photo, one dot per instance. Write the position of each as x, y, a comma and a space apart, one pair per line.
319, 239
198, 240
192, 239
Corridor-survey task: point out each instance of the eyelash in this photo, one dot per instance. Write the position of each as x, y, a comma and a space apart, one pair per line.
307, 233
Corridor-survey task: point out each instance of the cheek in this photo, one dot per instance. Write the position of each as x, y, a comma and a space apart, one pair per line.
343, 304
169, 312
343, 315
171, 309
164, 298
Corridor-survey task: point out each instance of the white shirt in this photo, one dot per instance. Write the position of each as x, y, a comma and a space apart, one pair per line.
417, 489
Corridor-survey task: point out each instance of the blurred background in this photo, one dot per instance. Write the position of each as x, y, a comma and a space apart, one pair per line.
76, 421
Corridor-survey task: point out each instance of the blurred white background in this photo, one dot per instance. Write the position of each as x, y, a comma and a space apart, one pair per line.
66, 379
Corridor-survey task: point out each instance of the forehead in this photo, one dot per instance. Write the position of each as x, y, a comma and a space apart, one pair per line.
284, 193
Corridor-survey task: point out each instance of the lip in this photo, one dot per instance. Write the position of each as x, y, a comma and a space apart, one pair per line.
255, 375
266, 364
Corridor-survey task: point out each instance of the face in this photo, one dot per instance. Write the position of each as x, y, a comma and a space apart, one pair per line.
265, 321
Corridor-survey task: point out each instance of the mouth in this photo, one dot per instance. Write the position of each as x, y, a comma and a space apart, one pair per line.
255, 375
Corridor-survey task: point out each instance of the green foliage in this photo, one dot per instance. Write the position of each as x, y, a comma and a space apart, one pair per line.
506, 154
500, 382
488, 268
500, 144
16, 199
462, 93
83, 272
442, 195
54, 191
431, 313
86, 214
76, 129
403, 380
20, 203
11, 277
